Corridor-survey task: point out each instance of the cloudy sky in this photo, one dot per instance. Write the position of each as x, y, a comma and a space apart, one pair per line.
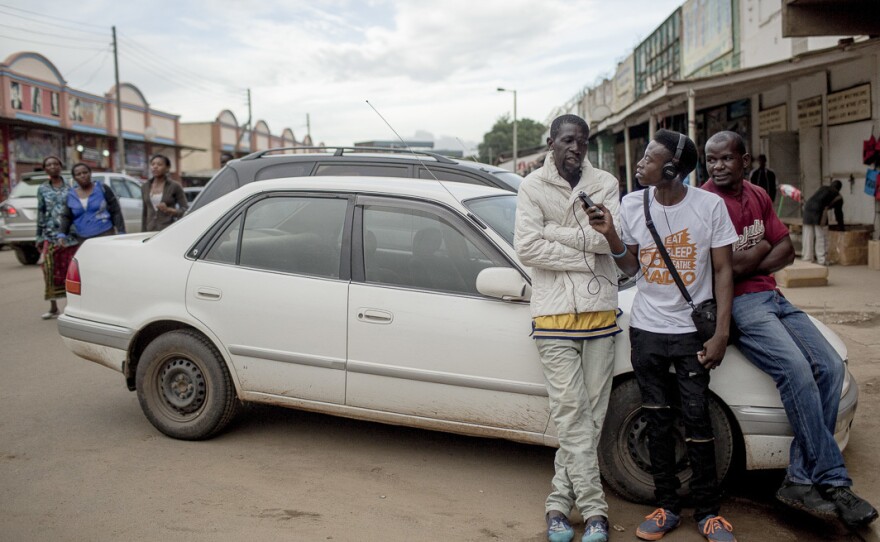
426, 66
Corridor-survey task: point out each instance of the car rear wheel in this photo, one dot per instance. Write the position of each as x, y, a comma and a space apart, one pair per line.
184, 387
26, 254
623, 448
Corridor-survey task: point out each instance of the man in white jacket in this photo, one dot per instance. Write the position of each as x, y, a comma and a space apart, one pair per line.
574, 310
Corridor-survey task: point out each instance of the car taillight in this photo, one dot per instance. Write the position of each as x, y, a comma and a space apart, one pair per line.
8, 211
73, 284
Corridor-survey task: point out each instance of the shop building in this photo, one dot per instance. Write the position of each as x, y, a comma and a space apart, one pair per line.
40, 115
224, 135
807, 102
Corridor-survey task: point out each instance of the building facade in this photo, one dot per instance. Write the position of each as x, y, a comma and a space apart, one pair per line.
40, 115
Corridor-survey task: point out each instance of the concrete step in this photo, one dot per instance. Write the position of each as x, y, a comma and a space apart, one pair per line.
802, 274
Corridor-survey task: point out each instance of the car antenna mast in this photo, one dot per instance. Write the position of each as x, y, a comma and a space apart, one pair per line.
409, 148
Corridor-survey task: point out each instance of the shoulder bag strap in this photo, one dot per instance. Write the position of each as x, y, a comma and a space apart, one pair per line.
662, 250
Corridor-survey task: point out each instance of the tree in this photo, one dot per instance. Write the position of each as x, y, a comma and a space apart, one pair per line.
500, 138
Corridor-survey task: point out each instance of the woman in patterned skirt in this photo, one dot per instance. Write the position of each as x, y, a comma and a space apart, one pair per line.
56, 252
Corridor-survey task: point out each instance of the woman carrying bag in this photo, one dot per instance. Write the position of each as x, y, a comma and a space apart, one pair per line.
92, 208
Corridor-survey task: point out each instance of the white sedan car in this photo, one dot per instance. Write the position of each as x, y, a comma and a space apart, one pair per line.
393, 300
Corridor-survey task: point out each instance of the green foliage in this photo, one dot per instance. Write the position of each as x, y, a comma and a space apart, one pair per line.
500, 138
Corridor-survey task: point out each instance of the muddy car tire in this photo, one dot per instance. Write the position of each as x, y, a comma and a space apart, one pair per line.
184, 386
623, 452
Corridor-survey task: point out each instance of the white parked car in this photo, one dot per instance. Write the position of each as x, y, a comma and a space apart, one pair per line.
393, 300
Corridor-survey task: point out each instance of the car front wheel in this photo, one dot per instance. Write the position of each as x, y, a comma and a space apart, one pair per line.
623, 448
184, 387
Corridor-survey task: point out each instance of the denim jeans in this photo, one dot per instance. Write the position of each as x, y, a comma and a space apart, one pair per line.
652, 355
578, 376
780, 339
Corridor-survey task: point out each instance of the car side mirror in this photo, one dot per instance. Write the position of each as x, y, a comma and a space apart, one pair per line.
503, 283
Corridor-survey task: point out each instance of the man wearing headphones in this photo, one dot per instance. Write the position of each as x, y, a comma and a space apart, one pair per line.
698, 236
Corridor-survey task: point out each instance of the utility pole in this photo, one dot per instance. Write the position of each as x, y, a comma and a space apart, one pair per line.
247, 126
120, 142
309, 129
515, 169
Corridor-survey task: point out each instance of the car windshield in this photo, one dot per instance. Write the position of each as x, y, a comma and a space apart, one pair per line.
499, 212
509, 178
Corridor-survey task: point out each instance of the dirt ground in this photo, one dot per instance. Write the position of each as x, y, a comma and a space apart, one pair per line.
78, 460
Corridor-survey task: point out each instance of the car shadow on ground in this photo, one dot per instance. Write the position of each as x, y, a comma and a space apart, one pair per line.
749, 496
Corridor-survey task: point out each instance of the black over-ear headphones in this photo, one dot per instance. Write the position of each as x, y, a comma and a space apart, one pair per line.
670, 169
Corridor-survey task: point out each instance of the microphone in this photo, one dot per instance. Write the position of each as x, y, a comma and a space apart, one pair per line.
585, 199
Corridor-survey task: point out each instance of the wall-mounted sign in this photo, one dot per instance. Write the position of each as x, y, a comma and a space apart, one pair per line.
707, 32
850, 105
809, 112
774, 119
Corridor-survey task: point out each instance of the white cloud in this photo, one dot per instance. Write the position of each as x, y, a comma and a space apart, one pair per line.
430, 66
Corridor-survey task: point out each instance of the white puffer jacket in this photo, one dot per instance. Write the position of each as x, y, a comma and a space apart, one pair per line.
550, 241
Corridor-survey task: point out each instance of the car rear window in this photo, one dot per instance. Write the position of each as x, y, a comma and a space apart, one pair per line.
362, 170
223, 183
289, 169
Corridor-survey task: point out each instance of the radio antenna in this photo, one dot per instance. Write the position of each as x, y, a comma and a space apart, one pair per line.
472, 155
409, 148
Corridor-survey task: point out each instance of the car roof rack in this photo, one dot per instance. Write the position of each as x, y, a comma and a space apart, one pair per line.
340, 151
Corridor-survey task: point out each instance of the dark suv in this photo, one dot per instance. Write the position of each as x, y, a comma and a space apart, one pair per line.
350, 161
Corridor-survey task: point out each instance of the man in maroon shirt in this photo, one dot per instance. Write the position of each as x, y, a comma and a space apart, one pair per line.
781, 340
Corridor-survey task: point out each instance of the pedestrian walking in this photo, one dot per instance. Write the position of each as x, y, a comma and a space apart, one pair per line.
55, 252
91, 208
764, 177
164, 199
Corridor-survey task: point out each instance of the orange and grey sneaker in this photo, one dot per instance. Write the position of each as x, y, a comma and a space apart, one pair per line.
658, 523
716, 529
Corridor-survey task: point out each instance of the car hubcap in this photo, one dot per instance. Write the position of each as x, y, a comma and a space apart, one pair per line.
636, 443
183, 385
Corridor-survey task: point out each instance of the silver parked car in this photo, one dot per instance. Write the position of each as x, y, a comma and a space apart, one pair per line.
19, 212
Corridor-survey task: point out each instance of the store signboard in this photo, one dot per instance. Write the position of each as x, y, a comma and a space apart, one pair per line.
706, 33
850, 105
774, 119
624, 84
86, 112
809, 112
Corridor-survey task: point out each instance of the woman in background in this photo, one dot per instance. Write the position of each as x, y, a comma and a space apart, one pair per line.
92, 208
164, 200
55, 252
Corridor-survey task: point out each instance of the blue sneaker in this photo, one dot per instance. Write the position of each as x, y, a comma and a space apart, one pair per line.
716, 529
658, 523
596, 531
559, 529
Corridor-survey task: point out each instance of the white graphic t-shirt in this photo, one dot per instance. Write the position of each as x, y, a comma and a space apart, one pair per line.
689, 230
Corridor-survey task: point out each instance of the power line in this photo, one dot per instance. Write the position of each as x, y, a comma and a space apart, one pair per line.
54, 19
147, 55
55, 36
66, 46
186, 78
165, 77
103, 62
81, 64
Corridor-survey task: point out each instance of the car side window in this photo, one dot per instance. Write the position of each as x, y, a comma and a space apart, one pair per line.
225, 248
414, 248
447, 175
301, 235
120, 188
290, 169
363, 170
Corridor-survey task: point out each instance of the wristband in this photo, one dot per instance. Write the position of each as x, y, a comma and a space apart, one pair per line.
621, 255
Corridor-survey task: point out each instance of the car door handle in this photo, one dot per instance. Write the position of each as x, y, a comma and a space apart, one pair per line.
374, 316
210, 294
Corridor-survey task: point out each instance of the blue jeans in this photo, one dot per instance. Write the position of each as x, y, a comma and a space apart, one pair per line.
780, 339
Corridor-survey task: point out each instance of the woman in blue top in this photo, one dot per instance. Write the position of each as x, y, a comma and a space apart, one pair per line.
92, 208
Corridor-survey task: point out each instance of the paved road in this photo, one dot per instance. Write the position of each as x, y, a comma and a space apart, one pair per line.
78, 461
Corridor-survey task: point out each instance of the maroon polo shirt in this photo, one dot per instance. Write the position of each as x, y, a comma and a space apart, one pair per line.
754, 220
